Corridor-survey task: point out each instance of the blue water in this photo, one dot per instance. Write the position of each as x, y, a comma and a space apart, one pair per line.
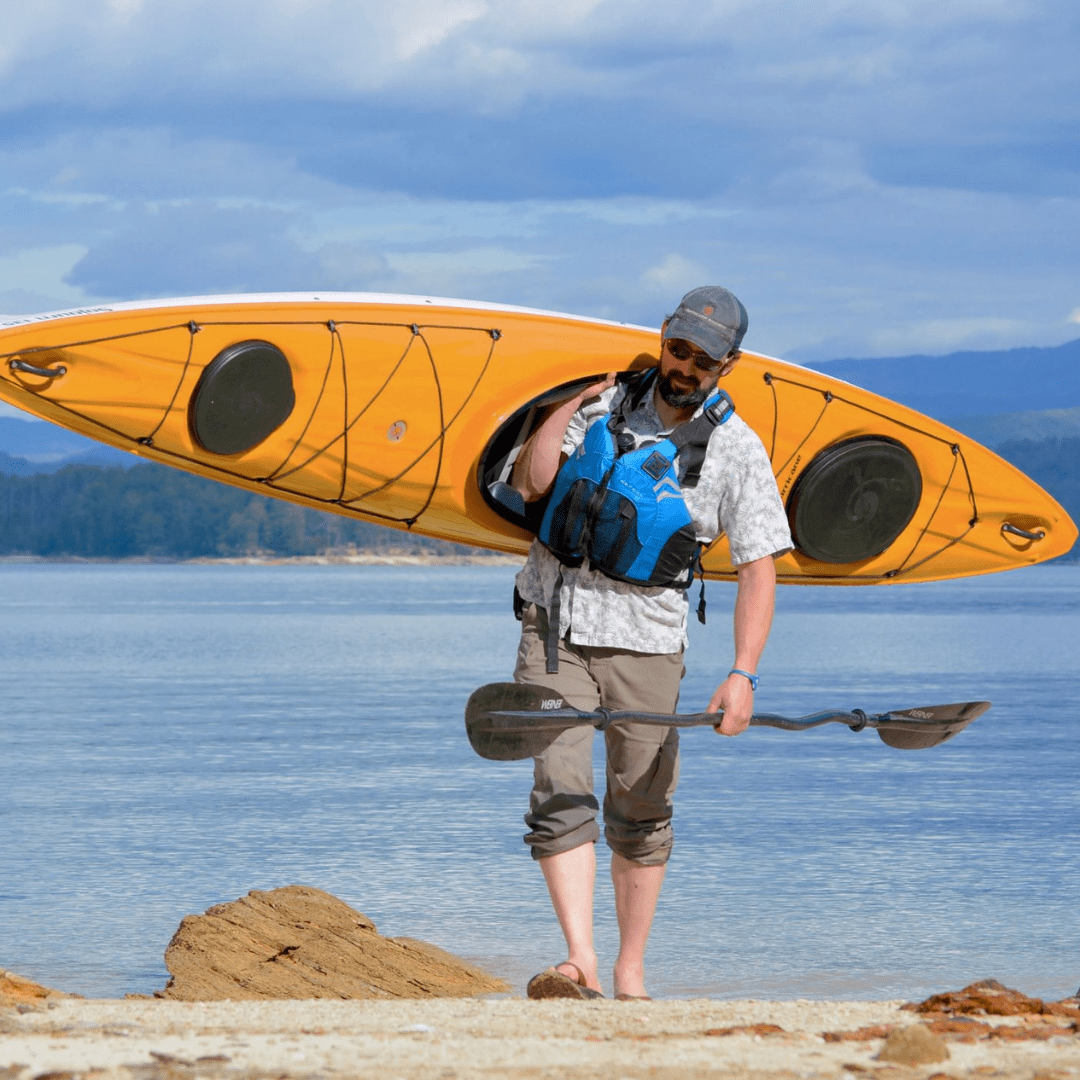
173, 736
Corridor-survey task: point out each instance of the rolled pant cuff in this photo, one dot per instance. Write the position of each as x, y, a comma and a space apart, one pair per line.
642, 854
541, 847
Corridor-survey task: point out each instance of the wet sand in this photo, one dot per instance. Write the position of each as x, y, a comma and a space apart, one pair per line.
500, 1037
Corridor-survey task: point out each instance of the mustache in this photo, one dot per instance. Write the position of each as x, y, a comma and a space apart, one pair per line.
681, 399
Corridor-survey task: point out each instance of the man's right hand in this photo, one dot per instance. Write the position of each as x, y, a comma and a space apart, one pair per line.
592, 391
541, 454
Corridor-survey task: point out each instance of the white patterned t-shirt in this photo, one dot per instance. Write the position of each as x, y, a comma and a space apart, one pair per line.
736, 495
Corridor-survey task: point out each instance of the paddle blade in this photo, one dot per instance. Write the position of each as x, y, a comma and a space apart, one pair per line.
918, 729
513, 721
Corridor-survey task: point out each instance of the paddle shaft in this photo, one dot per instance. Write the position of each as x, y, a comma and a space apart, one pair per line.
510, 721
561, 719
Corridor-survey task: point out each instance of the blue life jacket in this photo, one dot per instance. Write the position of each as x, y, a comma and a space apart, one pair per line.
623, 508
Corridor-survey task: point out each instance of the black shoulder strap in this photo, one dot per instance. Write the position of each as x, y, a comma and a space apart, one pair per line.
636, 383
692, 438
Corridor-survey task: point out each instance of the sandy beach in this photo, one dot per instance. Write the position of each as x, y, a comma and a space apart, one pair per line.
502, 1037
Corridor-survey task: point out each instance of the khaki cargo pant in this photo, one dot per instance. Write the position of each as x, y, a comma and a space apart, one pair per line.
642, 760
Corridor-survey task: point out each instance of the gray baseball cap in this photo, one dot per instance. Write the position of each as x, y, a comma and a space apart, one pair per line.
711, 318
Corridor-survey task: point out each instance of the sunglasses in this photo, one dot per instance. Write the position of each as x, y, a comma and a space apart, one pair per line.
683, 351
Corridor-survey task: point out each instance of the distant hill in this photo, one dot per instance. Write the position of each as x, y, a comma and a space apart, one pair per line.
1024, 403
1054, 464
967, 384
44, 447
998, 428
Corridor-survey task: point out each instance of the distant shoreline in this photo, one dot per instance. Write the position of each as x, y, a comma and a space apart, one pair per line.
363, 558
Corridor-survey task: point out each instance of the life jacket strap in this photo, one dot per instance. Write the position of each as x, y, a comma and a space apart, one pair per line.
554, 612
701, 597
691, 440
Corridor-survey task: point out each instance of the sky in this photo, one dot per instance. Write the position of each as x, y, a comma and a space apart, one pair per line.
872, 178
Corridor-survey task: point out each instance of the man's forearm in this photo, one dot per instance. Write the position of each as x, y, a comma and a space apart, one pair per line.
541, 454
754, 606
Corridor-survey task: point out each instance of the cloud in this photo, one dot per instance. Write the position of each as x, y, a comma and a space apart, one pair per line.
673, 274
195, 248
867, 177
39, 272
563, 99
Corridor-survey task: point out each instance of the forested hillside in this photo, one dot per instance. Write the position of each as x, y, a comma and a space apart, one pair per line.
151, 510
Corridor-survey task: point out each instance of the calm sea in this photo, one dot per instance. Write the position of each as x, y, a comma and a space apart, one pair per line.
173, 736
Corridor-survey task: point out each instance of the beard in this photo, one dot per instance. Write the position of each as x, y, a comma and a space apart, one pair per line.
681, 399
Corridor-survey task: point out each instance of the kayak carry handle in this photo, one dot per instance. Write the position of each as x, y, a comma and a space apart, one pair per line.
1017, 531
41, 372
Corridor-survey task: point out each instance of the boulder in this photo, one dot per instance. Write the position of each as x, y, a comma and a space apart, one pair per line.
299, 942
914, 1045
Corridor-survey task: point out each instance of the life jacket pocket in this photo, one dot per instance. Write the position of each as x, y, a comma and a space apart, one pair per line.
615, 544
565, 522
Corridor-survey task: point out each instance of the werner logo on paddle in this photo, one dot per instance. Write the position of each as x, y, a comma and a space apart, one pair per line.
551, 703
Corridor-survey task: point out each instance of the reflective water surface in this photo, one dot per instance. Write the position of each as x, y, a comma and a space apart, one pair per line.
173, 736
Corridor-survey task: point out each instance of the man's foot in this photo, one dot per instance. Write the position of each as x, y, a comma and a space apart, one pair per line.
554, 983
629, 981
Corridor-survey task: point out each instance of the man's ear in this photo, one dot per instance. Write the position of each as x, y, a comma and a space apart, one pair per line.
730, 361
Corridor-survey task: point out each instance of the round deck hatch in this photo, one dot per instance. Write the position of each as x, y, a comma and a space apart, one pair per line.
244, 394
854, 499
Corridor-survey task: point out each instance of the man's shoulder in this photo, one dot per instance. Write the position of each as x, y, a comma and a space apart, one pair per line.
736, 456
735, 427
736, 433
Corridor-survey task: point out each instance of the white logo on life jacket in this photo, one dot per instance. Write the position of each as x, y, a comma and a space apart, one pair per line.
671, 482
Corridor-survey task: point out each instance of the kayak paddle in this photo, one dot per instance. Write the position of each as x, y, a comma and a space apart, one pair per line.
512, 721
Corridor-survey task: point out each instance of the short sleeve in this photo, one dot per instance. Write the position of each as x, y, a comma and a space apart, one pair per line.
751, 511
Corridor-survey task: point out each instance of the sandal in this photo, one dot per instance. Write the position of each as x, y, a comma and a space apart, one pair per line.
554, 984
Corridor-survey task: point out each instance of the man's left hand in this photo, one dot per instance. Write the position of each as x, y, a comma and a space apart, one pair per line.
735, 696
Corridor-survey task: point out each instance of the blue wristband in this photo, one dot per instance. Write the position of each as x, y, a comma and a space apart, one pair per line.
754, 679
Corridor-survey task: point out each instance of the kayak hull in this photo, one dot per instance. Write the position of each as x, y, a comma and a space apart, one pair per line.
406, 411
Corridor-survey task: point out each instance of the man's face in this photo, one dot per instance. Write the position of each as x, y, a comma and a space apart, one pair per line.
687, 374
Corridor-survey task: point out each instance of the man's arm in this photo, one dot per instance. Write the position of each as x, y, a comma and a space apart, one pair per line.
754, 606
541, 454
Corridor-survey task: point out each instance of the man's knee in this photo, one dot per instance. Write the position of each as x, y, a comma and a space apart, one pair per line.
644, 846
643, 772
562, 823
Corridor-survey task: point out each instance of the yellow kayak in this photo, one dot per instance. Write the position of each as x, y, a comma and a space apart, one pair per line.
409, 411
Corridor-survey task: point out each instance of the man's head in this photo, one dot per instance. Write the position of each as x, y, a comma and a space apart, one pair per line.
700, 344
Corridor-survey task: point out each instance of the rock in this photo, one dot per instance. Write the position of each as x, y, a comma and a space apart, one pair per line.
15, 990
748, 1029
914, 1044
298, 942
991, 998
865, 1034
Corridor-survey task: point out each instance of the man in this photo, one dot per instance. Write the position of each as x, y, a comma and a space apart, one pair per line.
619, 645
